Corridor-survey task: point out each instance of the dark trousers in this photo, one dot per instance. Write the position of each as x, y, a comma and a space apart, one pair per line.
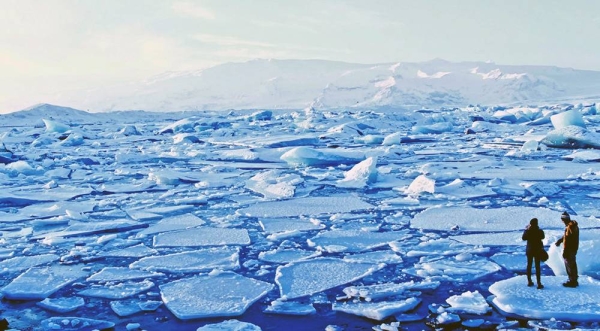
571, 266
538, 271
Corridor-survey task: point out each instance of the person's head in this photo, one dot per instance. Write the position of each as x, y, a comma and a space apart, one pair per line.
565, 217
533, 222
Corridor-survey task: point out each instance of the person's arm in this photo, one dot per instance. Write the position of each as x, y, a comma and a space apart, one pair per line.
525, 234
559, 241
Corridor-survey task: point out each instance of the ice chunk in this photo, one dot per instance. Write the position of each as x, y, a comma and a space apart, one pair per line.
286, 255
435, 128
117, 291
192, 261
530, 146
476, 219
21, 167
274, 184
89, 228
173, 223
73, 139
572, 137
354, 240
306, 206
442, 247
67, 323
510, 261
230, 325
377, 310
460, 189
130, 130
579, 304
380, 291
137, 251
584, 156
304, 156
39, 283
55, 126
308, 277
468, 302
274, 225
204, 236
564, 119
386, 256
20, 263
129, 307
454, 270
290, 308
421, 184
587, 254
212, 295
61, 305
109, 274
361, 174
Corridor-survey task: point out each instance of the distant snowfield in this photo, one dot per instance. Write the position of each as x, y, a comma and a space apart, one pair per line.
328, 85
252, 220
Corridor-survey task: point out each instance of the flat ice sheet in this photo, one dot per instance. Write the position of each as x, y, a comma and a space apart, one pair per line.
579, 304
492, 219
308, 277
204, 236
39, 283
306, 207
191, 261
212, 295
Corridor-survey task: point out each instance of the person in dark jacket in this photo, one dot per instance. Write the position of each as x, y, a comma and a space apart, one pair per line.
534, 236
570, 241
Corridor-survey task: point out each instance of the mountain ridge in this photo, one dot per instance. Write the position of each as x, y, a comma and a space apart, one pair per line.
325, 84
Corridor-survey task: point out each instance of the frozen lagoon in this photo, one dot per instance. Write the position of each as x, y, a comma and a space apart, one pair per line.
192, 221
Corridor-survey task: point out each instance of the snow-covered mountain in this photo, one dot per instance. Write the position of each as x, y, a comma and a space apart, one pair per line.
296, 84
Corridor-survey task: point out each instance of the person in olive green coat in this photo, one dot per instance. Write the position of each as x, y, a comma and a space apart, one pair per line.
570, 241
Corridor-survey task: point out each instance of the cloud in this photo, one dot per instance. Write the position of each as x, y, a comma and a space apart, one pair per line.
230, 41
190, 9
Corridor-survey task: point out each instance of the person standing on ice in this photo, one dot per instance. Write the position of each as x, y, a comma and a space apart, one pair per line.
570, 241
535, 247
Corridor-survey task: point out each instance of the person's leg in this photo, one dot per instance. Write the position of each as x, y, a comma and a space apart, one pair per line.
538, 273
571, 266
529, 265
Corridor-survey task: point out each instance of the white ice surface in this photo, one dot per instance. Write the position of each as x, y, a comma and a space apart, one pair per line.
290, 308
354, 240
319, 275
489, 219
62, 305
471, 302
306, 206
212, 295
191, 261
286, 255
552, 302
20, 263
377, 310
230, 325
173, 223
117, 291
204, 236
274, 225
40, 282
109, 274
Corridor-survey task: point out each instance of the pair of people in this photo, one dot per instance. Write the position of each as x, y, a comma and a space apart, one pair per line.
535, 248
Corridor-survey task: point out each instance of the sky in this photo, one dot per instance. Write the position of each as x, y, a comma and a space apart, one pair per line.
50, 46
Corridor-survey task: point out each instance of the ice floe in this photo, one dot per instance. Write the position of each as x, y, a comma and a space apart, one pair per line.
212, 295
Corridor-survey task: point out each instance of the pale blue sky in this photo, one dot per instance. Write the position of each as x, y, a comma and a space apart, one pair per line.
52, 45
